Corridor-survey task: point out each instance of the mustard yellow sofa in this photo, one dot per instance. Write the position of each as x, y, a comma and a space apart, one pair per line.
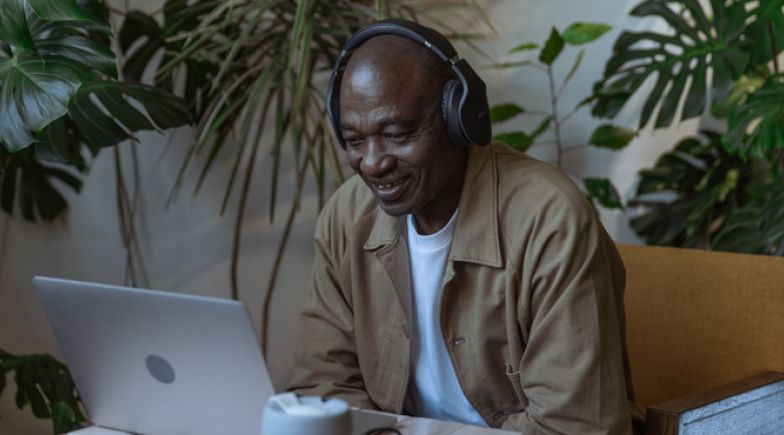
698, 320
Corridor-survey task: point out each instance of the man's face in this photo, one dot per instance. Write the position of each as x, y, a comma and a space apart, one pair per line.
396, 140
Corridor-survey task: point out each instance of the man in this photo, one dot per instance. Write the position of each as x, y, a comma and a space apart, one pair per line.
472, 284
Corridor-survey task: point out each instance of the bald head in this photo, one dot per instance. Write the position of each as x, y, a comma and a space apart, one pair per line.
398, 61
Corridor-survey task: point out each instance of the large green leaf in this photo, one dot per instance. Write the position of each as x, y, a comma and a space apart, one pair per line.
516, 139
765, 34
36, 87
119, 118
544, 124
611, 136
526, 46
63, 418
680, 60
603, 191
46, 385
34, 185
575, 66
58, 10
39, 198
505, 111
762, 117
758, 227
552, 48
583, 33
741, 89
61, 142
138, 26
13, 25
89, 54
689, 192
520, 140
141, 37
35, 92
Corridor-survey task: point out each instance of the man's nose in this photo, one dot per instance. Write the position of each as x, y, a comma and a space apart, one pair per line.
376, 160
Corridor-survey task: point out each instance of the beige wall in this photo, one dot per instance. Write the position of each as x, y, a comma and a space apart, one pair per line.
187, 247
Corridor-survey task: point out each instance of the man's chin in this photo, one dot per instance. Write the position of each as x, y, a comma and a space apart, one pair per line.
394, 210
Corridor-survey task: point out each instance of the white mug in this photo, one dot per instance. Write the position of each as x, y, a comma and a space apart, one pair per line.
287, 414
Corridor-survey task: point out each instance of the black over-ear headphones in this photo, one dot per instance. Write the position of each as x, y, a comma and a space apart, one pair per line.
463, 104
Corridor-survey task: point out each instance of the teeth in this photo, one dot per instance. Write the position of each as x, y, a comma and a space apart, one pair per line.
388, 185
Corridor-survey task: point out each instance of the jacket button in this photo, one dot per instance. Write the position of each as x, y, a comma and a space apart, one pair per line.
458, 341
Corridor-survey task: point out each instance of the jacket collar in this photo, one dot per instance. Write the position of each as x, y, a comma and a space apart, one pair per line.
476, 230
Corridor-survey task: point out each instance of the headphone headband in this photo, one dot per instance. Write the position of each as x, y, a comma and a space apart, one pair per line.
407, 29
464, 103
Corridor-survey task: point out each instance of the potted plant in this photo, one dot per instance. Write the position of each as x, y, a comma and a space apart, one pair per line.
60, 103
722, 190
599, 190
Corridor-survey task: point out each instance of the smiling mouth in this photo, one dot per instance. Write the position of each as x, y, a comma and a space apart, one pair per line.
390, 191
391, 185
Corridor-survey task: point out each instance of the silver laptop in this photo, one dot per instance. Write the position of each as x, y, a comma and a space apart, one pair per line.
163, 363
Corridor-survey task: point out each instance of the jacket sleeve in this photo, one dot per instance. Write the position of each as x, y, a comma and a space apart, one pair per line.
571, 370
326, 360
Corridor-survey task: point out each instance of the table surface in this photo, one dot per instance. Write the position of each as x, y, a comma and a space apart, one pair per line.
426, 426
407, 425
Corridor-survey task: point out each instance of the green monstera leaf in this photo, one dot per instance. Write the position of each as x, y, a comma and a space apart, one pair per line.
758, 227
35, 91
690, 191
765, 31
45, 384
701, 42
59, 96
101, 129
756, 127
53, 55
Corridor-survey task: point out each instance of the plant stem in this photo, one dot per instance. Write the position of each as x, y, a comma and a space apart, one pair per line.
6, 219
266, 304
773, 47
126, 224
536, 112
570, 114
574, 148
235, 245
556, 121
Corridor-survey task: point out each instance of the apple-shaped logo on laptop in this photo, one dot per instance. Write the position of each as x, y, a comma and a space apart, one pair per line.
160, 369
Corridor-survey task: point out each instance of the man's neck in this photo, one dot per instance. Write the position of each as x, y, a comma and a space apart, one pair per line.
426, 225
436, 215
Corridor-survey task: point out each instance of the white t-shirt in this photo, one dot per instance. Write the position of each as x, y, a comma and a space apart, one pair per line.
433, 390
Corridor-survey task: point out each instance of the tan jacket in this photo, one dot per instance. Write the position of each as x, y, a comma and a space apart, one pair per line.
531, 309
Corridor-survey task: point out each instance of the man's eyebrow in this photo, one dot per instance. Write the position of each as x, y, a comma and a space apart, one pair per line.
395, 120
344, 126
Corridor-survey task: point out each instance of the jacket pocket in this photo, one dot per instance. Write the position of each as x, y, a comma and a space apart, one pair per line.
514, 379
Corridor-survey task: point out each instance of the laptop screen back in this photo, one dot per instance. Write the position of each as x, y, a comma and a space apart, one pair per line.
159, 363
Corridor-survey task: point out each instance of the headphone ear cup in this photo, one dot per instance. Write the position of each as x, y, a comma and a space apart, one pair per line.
450, 112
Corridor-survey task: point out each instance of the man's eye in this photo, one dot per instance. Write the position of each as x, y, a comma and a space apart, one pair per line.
352, 142
396, 137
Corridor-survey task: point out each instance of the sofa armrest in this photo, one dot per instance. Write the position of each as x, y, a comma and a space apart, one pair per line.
751, 406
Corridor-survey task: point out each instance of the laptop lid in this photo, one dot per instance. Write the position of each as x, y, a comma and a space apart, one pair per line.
161, 363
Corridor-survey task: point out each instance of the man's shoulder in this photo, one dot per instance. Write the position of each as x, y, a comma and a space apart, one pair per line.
529, 187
